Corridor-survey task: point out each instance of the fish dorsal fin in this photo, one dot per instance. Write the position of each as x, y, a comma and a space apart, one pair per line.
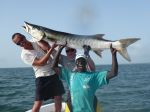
99, 36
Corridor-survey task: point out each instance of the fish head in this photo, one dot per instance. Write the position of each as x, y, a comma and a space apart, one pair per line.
34, 30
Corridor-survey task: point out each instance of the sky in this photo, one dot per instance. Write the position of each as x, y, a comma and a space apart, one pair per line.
117, 19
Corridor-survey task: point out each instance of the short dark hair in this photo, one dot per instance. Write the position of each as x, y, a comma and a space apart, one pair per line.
13, 36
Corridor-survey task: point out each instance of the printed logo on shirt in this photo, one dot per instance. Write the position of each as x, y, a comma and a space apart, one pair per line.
85, 85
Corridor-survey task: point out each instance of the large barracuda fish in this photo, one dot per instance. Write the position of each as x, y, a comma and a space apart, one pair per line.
96, 42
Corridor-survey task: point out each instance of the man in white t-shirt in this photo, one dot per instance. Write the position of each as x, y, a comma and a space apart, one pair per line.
48, 85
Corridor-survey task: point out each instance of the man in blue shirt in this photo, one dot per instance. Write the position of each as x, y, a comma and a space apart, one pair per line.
82, 83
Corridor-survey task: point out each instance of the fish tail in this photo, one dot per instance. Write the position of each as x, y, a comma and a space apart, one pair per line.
124, 44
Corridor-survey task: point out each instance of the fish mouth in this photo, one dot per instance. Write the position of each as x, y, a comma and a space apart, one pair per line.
25, 27
33, 31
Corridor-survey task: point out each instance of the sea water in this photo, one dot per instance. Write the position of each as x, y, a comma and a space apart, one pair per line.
128, 92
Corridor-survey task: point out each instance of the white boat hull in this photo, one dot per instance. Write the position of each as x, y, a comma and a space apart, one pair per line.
50, 108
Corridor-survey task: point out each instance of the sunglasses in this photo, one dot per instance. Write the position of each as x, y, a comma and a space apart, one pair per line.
70, 50
20, 42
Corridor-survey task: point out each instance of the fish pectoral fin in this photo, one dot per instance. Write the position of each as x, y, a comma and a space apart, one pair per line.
98, 52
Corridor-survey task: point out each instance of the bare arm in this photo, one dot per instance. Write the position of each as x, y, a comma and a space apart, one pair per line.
114, 69
43, 60
43, 45
56, 60
90, 62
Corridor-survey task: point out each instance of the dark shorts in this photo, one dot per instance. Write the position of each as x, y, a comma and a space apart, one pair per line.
48, 87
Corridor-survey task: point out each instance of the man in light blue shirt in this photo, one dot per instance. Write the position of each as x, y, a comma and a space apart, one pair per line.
83, 84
